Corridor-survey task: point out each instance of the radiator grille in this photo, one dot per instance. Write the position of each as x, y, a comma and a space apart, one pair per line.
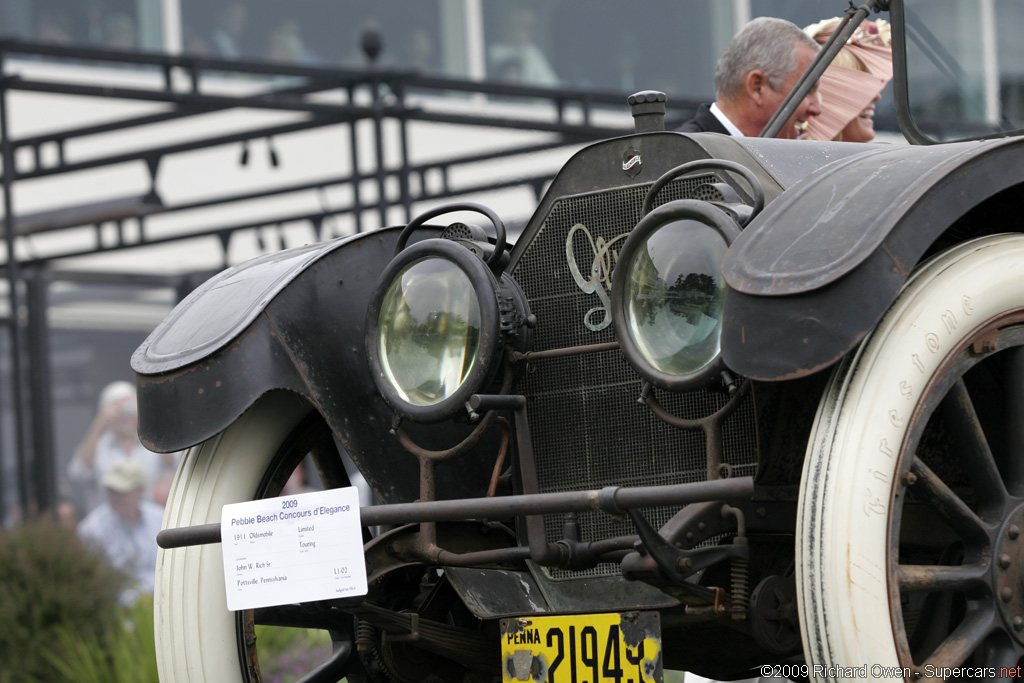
588, 431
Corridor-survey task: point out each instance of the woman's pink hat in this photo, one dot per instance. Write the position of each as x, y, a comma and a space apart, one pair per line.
846, 92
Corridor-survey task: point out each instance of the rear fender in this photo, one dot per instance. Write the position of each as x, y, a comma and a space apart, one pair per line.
816, 270
291, 321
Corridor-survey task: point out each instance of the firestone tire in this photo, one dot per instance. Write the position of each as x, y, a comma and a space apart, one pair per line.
867, 472
196, 635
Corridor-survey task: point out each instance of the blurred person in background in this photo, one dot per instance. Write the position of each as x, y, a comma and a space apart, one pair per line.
853, 82
226, 36
296, 483
119, 31
124, 528
518, 47
162, 487
286, 44
65, 514
422, 54
53, 26
753, 76
113, 436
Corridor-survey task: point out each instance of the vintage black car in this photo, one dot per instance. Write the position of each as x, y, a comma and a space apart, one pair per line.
724, 403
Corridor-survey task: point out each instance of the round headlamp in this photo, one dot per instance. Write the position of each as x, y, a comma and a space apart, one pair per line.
667, 294
434, 333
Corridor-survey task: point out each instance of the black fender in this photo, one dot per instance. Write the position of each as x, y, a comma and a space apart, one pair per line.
817, 269
291, 321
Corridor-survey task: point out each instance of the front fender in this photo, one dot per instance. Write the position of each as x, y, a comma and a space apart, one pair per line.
291, 321
817, 269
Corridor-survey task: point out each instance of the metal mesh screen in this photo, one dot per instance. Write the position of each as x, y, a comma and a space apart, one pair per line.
587, 428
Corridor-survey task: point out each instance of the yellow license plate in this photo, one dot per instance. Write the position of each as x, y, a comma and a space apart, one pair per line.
582, 648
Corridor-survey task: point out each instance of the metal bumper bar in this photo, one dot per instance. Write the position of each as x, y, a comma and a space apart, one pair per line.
612, 500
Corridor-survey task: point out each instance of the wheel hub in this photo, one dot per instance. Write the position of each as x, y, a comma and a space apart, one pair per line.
1008, 572
774, 621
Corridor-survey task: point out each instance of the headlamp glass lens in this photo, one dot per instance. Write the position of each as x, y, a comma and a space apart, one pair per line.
428, 331
673, 297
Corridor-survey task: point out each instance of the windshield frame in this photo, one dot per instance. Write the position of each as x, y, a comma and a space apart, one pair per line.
901, 90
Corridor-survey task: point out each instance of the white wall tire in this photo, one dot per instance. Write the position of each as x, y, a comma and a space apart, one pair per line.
196, 634
198, 640
859, 577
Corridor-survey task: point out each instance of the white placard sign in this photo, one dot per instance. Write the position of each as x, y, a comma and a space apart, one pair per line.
279, 551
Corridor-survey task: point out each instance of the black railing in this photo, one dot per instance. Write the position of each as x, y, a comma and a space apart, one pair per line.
316, 97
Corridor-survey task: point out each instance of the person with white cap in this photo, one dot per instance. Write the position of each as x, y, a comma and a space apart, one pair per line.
853, 82
124, 528
112, 436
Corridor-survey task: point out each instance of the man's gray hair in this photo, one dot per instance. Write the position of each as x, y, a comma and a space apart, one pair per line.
767, 44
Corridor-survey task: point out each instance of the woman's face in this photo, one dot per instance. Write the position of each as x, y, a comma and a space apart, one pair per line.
862, 127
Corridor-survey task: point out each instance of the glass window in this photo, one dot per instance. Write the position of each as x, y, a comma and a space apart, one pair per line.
110, 23
319, 32
800, 12
607, 44
1009, 54
965, 67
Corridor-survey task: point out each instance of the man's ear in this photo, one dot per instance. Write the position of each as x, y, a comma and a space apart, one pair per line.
755, 84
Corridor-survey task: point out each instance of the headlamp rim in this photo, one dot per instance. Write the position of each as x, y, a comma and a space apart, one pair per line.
670, 212
484, 284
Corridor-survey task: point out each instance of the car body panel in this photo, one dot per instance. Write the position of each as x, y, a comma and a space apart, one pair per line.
307, 339
816, 269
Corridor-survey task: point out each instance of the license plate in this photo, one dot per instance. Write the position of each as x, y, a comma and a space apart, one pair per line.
582, 648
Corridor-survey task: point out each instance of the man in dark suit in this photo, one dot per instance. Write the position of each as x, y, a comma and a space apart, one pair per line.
758, 68
704, 122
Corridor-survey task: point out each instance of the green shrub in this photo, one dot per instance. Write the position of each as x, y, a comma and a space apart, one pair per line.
129, 657
287, 654
49, 583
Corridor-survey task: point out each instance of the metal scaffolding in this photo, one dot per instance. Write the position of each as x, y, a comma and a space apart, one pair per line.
321, 97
